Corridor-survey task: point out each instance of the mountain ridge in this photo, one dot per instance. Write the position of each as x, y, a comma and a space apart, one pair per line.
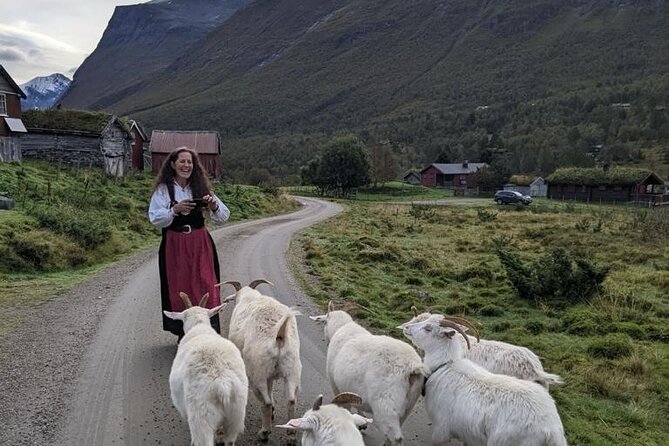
44, 91
416, 74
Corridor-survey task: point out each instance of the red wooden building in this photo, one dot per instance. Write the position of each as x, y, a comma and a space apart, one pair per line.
448, 175
137, 147
11, 126
206, 144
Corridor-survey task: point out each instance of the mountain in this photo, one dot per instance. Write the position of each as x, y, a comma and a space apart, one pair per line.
139, 42
44, 91
539, 77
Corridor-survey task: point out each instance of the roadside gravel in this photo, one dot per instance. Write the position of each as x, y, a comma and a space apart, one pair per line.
39, 360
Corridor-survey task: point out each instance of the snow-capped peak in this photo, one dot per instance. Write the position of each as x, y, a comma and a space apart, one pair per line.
45, 84
44, 91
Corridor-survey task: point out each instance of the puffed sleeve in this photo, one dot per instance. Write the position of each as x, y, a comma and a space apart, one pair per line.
160, 212
222, 214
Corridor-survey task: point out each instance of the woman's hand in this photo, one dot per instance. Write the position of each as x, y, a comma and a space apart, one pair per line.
183, 207
211, 202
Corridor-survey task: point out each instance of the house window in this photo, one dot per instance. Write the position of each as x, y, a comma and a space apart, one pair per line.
463, 180
3, 104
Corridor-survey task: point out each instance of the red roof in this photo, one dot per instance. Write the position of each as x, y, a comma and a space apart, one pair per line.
165, 141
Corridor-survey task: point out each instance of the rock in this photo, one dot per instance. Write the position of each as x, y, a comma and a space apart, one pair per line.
6, 203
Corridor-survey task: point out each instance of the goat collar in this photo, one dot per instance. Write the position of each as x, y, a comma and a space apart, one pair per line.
426, 378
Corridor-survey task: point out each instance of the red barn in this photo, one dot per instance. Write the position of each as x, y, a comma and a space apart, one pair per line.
448, 175
206, 144
138, 140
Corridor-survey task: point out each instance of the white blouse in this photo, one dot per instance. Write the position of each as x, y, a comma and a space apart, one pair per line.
160, 212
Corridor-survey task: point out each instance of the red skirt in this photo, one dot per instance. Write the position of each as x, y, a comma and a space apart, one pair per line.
188, 263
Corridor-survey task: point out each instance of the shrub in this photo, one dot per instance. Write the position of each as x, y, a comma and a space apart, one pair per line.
611, 346
583, 322
555, 276
485, 215
491, 310
89, 229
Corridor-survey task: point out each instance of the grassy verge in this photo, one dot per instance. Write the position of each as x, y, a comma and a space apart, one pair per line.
67, 224
391, 191
612, 348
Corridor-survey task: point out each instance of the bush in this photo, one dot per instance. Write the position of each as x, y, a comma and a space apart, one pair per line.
611, 346
556, 276
583, 322
89, 229
485, 215
491, 310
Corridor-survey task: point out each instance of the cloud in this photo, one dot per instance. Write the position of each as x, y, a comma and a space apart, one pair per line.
10, 54
27, 53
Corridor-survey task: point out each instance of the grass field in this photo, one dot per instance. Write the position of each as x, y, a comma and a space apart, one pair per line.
612, 348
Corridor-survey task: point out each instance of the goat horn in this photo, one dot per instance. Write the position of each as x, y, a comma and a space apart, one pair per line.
414, 310
234, 283
330, 307
186, 299
347, 398
466, 323
456, 327
318, 402
203, 301
257, 282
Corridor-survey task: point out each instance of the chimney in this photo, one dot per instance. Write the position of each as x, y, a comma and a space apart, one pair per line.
465, 163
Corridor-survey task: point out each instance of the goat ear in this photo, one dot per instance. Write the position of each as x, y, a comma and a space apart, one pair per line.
298, 423
361, 421
174, 315
320, 318
214, 311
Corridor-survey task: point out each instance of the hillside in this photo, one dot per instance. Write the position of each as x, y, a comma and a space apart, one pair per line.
544, 78
140, 41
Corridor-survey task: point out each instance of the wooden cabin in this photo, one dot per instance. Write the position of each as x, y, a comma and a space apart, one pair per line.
11, 125
617, 184
78, 138
453, 175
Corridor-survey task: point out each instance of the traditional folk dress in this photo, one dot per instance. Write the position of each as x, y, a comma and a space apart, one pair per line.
187, 258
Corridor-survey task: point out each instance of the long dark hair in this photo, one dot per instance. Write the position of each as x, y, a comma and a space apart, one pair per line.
198, 181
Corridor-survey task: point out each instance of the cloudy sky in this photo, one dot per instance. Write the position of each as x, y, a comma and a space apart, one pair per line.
41, 37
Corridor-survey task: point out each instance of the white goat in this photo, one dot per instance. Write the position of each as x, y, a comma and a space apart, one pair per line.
331, 425
208, 380
265, 330
499, 357
467, 402
387, 373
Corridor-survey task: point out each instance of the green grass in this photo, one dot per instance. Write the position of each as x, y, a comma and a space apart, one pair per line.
67, 224
377, 260
391, 191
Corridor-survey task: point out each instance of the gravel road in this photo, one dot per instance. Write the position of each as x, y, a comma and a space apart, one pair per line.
91, 366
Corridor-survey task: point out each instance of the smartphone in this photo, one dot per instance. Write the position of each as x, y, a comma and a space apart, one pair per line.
200, 202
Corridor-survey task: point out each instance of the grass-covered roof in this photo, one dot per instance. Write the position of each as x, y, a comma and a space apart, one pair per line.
591, 176
522, 180
69, 120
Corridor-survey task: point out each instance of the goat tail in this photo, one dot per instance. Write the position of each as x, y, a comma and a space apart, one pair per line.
550, 379
281, 327
416, 378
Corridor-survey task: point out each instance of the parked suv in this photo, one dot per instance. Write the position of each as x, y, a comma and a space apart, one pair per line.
511, 196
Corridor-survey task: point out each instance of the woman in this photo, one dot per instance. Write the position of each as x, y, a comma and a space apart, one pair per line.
187, 258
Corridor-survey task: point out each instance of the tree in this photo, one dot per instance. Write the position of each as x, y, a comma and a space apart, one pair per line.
344, 165
383, 163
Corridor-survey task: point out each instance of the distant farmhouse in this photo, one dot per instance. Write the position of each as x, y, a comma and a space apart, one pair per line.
206, 144
449, 175
411, 177
617, 184
11, 126
78, 138
528, 185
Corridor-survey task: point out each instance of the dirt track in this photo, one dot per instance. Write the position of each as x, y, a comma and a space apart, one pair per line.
91, 367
